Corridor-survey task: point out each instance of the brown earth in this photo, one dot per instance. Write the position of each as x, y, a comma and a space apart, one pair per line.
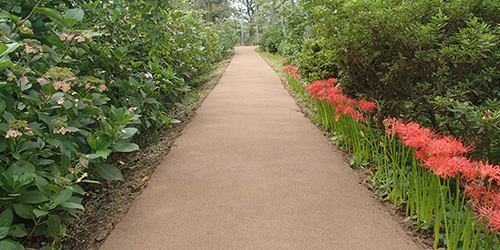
250, 171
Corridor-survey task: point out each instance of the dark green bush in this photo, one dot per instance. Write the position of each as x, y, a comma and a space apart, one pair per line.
316, 61
272, 39
76, 84
431, 61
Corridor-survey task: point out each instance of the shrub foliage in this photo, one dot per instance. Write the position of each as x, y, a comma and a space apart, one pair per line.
434, 62
77, 83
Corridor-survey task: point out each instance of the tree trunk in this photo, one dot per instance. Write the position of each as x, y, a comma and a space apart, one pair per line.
210, 14
273, 13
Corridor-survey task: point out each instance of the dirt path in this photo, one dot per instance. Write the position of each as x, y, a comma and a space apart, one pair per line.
251, 172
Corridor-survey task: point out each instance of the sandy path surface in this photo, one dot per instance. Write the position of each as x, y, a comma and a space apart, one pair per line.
251, 172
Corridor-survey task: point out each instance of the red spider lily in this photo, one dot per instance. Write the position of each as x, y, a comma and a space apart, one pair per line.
443, 156
367, 106
282, 62
290, 69
296, 76
326, 90
446, 166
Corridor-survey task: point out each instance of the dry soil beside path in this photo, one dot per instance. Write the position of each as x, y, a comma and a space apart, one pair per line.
251, 172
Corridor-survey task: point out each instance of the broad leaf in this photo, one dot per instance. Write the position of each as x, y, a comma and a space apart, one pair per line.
73, 16
18, 231
100, 142
6, 218
126, 147
24, 210
32, 197
55, 16
10, 245
72, 205
3, 232
108, 172
54, 226
129, 132
39, 213
104, 153
63, 196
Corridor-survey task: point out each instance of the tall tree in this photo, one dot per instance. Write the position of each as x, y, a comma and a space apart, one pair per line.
216, 11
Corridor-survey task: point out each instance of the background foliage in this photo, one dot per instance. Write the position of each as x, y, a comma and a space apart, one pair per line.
78, 80
433, 62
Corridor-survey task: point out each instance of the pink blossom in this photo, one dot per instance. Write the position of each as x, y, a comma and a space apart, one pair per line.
66, 87
41, 80
102, 88
63, 130
24, 79
63, 36
60, 101
12, 133
80, 39
57, 85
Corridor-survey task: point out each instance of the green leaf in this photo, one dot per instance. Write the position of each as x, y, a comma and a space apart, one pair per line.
5, 27
129, 132
151, 100
3, 48
5, 63
91, 181
108, 171
11, 47
63, 196
32, 197
76, 189
39, 213
126, 147
72, 205
24, 210
55, 16
67, 104
8, 116
3, 232
54, 226
104, 153
10, 245
73, 16
41, 184
100, 142
18, 231
6, 218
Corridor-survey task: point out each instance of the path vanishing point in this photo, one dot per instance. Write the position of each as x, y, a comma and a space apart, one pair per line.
250, 171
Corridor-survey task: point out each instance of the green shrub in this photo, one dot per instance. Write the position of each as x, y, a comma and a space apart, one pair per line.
75, 89
430, 61
316, 60
271, 39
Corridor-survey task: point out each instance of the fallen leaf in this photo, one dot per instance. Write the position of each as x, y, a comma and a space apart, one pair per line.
88, 210
120, 210
146, 178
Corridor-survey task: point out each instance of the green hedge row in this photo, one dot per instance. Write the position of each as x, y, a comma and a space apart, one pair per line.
78, 81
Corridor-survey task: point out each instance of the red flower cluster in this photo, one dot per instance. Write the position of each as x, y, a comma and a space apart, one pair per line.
290, 69
443, 155
327, 90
